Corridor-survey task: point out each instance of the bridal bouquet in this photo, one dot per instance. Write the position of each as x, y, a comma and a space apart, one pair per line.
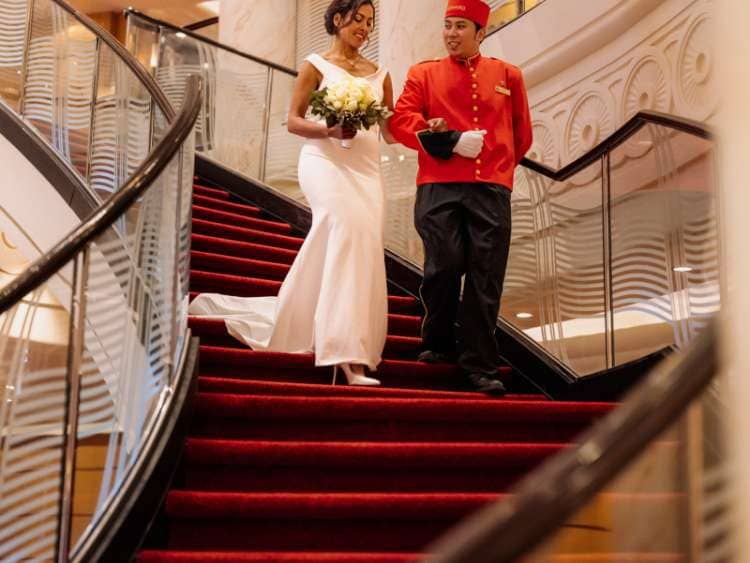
350, 103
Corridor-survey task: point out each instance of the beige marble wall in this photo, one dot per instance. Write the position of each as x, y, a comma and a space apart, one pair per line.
733, 44
410, 32
264, 28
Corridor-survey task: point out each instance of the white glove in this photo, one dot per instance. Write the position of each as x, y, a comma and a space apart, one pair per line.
470, 144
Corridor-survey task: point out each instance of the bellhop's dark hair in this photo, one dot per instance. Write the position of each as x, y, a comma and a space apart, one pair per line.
343, 7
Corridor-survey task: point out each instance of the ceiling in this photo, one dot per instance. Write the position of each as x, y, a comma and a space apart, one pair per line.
179, 12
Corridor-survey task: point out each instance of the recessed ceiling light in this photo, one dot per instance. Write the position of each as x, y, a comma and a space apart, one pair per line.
210, 6
683, 269
524, 315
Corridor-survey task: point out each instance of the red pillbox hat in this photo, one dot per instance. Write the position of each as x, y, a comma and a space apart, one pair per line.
474, 10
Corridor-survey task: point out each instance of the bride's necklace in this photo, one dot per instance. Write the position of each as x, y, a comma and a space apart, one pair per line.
351, 62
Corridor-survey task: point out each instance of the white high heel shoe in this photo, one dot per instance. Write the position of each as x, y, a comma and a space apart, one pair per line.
354, 378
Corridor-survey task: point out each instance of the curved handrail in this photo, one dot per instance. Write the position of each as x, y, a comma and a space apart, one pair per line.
160, 23
203, 23
143, 76
621, 135
507, 530
105, 216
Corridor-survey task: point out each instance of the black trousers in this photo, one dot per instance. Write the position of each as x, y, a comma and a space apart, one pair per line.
465, 229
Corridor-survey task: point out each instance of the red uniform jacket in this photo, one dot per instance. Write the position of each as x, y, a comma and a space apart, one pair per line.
477, 93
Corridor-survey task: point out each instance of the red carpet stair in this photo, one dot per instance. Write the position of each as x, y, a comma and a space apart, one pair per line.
282, 467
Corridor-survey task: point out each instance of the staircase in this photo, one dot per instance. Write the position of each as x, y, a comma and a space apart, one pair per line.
280, 466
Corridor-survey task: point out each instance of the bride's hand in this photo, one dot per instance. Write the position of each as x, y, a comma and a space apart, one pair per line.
339, 132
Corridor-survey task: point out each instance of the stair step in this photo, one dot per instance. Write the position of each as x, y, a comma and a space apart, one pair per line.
209, 214
244, 234
240, 386
344, 419
222, 204
210, 282
218, 263
363, 455
266, 466
244, 286
238, 249
215, 193
219, 357
213, 332
400, 522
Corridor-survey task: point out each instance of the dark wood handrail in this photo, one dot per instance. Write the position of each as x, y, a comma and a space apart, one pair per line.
208, 22
105, 216
546, 499
621, 135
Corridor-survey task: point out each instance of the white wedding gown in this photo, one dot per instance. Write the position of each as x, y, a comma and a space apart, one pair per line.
334, 300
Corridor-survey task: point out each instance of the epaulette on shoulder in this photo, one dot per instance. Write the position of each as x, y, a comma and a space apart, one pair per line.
506, 63
435, 60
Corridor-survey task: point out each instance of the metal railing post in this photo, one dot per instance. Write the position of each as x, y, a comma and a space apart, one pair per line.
92, 117
266, 125
25, 62
609, 335
72, 404
176, 274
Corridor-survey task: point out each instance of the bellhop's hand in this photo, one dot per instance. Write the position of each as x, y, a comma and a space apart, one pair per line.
470, 144
438, 125
340, 132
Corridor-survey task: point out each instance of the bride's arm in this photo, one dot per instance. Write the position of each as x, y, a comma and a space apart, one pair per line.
306, 83
388, 101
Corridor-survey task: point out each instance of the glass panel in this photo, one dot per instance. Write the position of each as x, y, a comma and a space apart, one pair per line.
122, 125
555, 283
135, 299
13, 16
142, 40
669, 504
283, 148
398, 166
665, 245
234, 136
60, 76
504, 11
34, 338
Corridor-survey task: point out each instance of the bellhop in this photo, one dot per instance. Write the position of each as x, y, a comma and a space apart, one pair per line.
467, 116
474, 93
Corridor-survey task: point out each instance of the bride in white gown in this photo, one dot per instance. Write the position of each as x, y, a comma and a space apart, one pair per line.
334, 299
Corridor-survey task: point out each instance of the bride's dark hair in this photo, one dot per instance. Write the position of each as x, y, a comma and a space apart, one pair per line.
344, 7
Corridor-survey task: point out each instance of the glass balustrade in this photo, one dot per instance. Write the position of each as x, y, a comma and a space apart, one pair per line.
76, 91
90, 360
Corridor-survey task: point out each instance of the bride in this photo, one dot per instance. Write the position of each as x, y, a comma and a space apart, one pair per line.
334, 299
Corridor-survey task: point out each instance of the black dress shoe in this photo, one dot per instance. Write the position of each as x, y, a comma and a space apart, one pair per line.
485, 384
431, 357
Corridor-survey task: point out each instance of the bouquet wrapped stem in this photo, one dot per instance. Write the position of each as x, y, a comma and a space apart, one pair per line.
350, 103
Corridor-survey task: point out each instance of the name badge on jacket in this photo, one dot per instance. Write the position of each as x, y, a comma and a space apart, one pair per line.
501, 89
